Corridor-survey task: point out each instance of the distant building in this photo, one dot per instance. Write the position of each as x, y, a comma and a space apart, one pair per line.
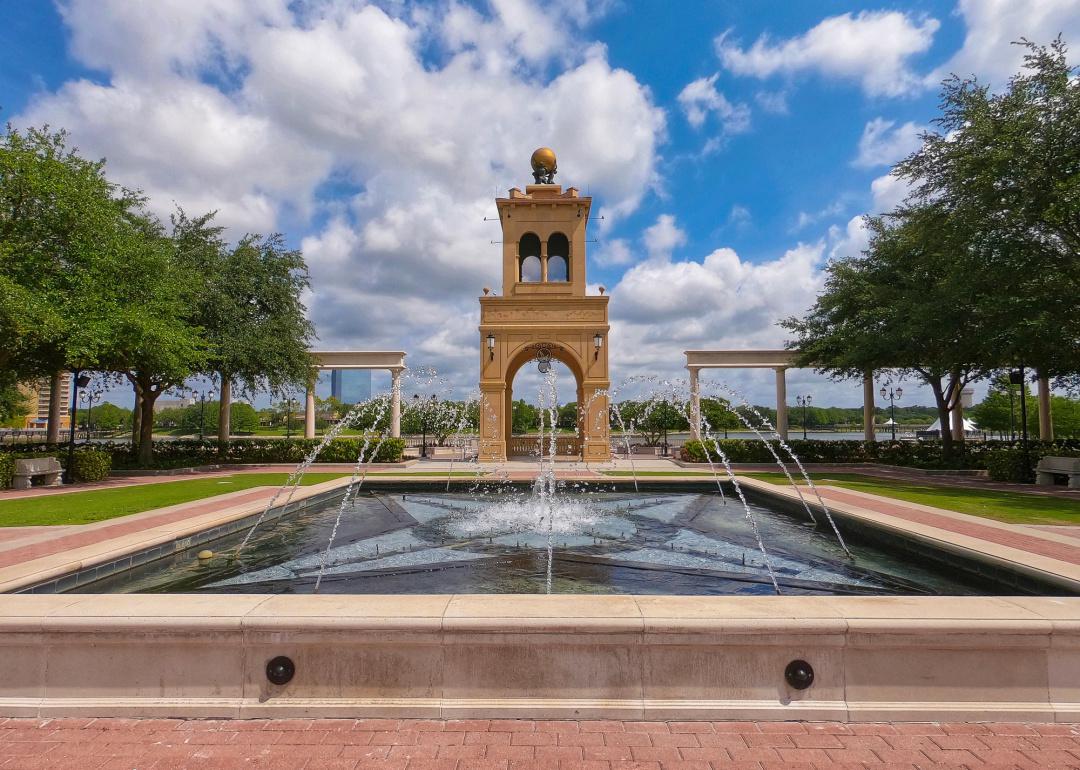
350, 386
173, 403
38, 419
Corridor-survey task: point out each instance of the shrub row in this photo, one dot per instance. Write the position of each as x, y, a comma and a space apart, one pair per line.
914, 454
94, 464
1014, 464
184, 453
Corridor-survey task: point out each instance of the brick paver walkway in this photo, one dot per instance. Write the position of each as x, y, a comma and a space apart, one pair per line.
307, 744
125, 526
1013, 537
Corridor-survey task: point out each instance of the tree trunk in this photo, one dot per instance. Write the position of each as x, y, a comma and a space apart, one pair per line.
224, 413
146, 428
136, 415
52, 435
943, 417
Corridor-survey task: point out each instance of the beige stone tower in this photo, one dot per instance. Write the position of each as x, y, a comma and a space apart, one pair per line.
543, 312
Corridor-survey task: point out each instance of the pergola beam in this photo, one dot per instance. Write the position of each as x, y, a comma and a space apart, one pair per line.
779, 361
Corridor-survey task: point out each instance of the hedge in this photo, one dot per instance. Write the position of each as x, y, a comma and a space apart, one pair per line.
7, 469
971, 455
1013, 464
91, 464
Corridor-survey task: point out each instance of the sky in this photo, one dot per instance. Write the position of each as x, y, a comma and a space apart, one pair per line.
731, 148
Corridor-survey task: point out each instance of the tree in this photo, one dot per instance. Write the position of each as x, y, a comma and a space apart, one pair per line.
904, 305
525, 417
568, 416
14, 405
156, 345
248, 305
58, 218
718, 415
999, 412
105, 416
1007, 166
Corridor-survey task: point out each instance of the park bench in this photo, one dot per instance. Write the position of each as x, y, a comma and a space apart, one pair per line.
27, 470
1049, 467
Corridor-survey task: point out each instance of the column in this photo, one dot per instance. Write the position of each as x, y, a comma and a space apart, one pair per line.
1046, 420
52, 429
695, 404
781, 402
958, 418
309, 413
395, 403
868, 407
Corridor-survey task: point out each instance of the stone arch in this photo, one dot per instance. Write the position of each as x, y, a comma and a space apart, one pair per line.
529, 261
522, 356
558, 258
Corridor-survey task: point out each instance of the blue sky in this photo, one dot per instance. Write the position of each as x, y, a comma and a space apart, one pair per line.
731, 147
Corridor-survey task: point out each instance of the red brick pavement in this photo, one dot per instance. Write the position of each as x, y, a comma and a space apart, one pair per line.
1013, 537
124, 526
335, 744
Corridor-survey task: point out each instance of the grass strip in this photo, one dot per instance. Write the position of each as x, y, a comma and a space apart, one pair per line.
102, 504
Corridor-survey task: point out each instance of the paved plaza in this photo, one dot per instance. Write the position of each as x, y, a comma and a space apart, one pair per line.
346, 744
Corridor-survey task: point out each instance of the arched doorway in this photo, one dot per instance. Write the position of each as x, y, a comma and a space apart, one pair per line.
568, 379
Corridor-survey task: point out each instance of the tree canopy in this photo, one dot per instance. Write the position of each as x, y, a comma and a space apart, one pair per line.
91, 280
979, 269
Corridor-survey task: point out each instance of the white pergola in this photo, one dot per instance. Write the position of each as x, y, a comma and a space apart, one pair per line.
779, 361
391, 360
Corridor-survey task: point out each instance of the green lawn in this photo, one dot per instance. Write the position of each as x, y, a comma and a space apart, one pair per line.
1011, 507
101, 504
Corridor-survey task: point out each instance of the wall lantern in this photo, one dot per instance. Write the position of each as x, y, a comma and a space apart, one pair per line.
598, 342
491, 346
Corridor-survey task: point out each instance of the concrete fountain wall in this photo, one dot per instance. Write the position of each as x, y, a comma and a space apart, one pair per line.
643, 657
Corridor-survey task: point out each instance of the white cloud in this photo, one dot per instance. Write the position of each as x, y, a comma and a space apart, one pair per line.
775, 102
252, 107
739, 216
700, 98
883, 143
807, 218
872, 47
663, 237
849, 241
991, 25
613, 253
889, 192
661, 308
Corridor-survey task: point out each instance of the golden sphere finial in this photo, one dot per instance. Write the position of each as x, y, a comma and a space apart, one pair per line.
544, 165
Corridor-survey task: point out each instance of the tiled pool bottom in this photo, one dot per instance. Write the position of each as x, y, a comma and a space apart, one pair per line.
621, 543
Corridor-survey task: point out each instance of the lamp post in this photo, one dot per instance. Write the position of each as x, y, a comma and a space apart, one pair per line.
491, 346
804, 402
90, 396
78, 379
1012, 414
202, 394
1017, 377
598, 342
423, 407
288, 416
893, 396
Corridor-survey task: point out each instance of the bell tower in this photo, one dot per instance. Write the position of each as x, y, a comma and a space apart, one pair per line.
544, 311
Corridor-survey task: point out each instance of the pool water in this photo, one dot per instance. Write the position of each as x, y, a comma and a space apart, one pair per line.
695, 543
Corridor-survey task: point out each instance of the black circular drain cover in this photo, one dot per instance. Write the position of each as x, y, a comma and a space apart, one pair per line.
280, 670
799, 674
